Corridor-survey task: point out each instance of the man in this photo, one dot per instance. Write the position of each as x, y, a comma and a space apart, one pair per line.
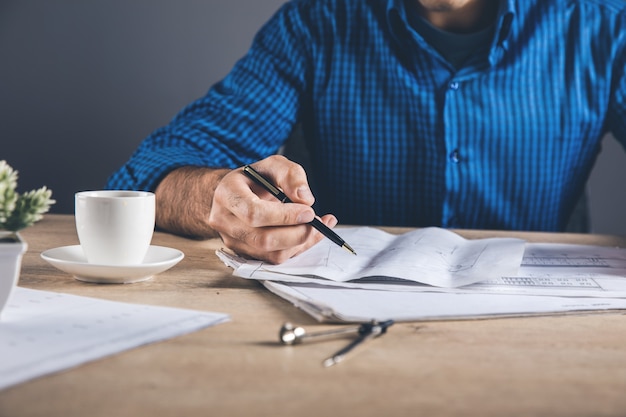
452, 113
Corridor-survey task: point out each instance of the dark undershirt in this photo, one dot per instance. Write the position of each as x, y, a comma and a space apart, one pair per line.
456, 48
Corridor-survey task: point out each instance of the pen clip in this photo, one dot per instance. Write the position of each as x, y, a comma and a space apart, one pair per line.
275, 191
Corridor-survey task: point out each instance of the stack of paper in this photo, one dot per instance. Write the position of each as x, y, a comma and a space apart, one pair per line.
435, 274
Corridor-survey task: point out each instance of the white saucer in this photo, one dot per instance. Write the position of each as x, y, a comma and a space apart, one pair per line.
71, 259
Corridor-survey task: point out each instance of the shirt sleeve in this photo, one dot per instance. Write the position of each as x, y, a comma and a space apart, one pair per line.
243, 118
616, 118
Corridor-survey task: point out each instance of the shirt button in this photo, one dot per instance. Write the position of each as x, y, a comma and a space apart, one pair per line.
455, 156
454, 85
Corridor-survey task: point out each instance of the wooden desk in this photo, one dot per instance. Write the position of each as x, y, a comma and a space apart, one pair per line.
559, 365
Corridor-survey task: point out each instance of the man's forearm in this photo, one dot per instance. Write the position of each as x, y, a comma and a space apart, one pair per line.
184, 199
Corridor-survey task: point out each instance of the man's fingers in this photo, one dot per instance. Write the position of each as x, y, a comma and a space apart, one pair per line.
252, 221
262, 213
288, 176
271, 244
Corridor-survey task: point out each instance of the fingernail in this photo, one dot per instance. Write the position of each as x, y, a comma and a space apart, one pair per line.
305, 193
334, 222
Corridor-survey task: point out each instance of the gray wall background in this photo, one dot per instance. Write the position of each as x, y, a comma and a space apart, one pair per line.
82, 82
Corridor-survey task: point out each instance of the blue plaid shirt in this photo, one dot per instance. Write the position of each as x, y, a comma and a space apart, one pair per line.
397, 135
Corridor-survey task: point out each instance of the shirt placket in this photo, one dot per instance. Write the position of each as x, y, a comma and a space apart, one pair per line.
456, 152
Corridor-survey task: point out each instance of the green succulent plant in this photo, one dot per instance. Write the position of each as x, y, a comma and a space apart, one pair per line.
18, 211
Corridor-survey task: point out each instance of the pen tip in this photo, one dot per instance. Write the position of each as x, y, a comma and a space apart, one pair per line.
348, 248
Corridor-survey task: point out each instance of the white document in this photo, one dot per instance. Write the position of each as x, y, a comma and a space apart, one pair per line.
432, 256
335, 304
546, 269
552, 279
564, 270
43, 332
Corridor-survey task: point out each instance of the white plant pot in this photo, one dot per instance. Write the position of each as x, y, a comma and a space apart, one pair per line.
12, 247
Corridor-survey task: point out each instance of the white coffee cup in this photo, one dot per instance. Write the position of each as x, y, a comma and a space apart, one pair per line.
115, 227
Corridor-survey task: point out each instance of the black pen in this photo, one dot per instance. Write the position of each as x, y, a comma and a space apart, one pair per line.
316, 223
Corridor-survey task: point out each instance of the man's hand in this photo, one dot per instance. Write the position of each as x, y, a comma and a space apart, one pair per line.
202, 203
